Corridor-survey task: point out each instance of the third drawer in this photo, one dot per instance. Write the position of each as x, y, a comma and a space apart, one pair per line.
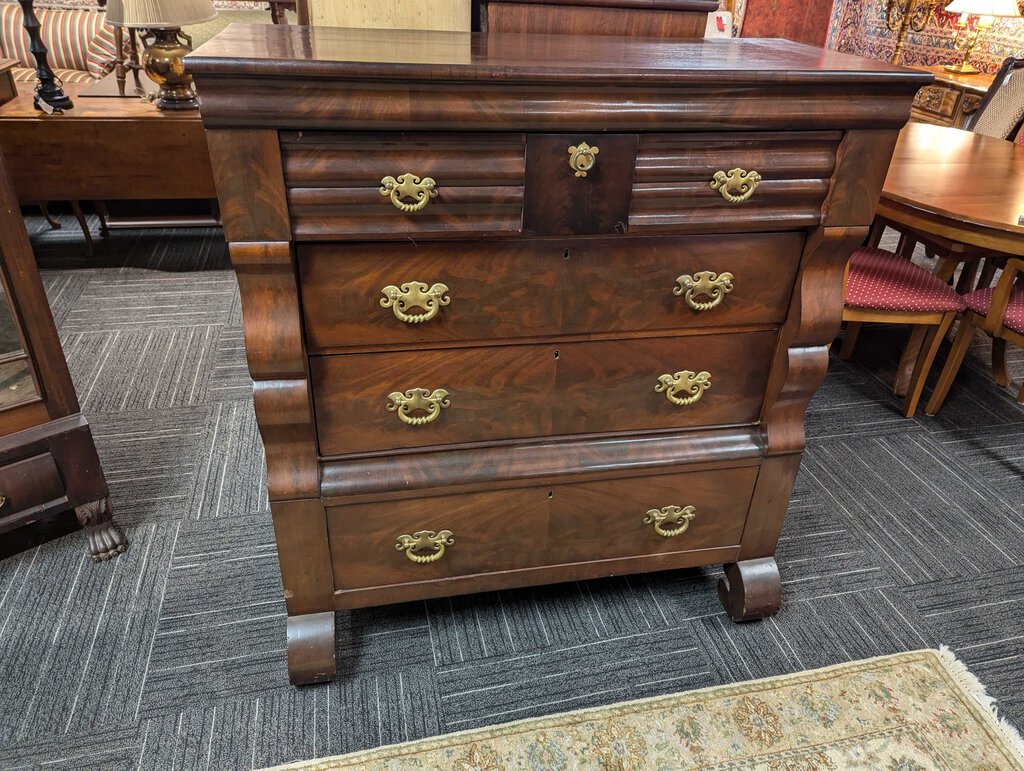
542, 287
682, 514
518, 391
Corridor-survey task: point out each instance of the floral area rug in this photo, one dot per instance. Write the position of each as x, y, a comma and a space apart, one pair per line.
908, 712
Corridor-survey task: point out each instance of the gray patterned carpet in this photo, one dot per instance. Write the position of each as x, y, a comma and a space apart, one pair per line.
902, 534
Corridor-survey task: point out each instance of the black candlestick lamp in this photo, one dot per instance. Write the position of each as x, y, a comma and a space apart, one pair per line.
49, 96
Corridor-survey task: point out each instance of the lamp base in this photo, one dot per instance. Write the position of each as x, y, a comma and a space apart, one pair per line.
162, 61
962, 69
179, 98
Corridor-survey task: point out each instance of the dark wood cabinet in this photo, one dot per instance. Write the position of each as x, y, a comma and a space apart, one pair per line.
684, 19
533, 308
48, 462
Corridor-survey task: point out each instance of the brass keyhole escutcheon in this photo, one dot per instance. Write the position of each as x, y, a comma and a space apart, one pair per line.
415, 294
703, 284
736, 186
408, 185
418, 400
684, 388
3, 500
425, 546
670, 521
582, 158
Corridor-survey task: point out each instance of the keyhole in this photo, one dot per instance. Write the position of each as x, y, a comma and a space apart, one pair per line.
557, 353
565, 255
551, 493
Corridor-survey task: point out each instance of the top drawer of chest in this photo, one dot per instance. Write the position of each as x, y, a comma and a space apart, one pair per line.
360, 186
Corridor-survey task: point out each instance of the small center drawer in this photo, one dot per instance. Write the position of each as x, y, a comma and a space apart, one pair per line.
386, 401
396, 186
28, 484
400, 294
462, 535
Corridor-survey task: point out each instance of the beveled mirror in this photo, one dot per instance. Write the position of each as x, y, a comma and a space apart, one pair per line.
17, 381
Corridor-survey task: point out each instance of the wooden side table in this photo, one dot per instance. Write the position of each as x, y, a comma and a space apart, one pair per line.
8, 90
952, 99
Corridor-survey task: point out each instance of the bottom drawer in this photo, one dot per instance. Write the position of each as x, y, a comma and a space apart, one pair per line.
536, 527
28, 484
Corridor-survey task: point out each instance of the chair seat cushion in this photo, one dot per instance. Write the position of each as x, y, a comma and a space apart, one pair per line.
980, 301
884, 281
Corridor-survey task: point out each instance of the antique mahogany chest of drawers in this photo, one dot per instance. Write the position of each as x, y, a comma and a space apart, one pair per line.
523, 309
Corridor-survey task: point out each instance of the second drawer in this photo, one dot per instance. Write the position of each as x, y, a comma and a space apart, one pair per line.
439, 292
386, 401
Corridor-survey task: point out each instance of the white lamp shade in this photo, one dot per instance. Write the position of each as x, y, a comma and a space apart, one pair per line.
984, 7
159, 14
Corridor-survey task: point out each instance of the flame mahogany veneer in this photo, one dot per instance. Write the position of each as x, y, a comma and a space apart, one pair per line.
554, 447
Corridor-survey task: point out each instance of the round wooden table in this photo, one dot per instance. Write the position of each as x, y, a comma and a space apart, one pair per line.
957, 186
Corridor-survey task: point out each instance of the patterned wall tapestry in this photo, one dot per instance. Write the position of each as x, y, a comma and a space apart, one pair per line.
858, 27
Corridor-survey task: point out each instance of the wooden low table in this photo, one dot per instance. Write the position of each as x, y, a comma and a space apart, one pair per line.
952, 99
105, 149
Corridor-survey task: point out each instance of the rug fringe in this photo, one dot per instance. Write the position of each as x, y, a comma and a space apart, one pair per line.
972, 686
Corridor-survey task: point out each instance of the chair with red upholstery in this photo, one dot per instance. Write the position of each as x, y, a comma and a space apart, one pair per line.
998, 311
883, 287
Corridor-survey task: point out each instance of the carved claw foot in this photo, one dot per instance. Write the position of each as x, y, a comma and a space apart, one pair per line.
311, 648
105, 539
751, 589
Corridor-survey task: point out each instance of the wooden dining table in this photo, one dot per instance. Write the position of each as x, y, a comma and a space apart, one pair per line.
959, 193
957, 189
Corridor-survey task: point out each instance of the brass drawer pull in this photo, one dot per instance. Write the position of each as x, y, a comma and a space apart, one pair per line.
415, 294
703, 284
408, 185
581, 158
417, 400
433, 544
736, 186
692, 384
677, 520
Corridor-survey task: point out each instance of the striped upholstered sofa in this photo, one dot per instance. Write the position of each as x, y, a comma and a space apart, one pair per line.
80, 43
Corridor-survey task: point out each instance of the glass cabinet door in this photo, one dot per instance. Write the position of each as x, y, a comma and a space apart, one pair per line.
17, 384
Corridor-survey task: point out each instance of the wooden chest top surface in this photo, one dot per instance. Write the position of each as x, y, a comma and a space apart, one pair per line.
246, 49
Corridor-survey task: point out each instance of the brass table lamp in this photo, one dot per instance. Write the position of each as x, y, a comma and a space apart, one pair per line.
166, 45
987, 11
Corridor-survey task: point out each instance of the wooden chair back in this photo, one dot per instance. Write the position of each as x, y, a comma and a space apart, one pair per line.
1002, 111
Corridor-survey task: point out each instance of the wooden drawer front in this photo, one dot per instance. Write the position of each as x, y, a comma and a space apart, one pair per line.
610, 386
493, 393
494, 290
621, 285
508, 289
28, 484
672, 187
602, 520
334, 182
515, 529
533, 390
586, 191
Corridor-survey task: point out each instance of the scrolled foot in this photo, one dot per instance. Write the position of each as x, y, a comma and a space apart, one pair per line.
751, 589
311, 648
105, 539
